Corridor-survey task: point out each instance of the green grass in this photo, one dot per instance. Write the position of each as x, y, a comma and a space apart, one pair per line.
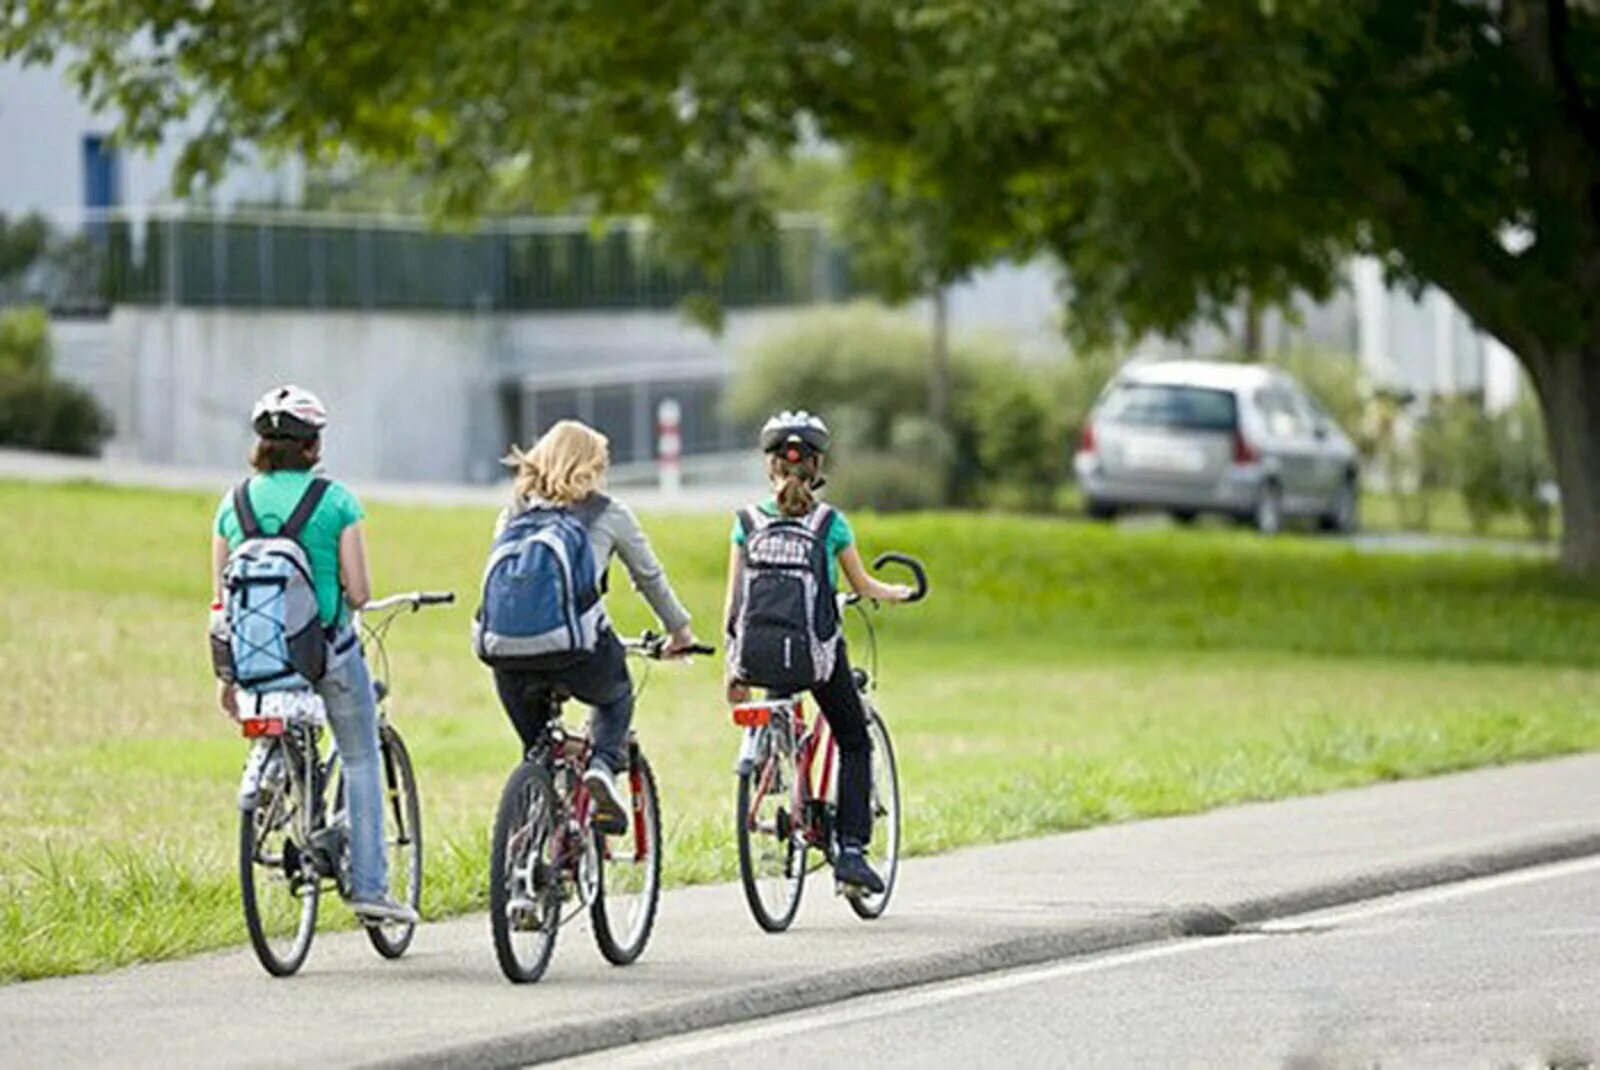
1062, 674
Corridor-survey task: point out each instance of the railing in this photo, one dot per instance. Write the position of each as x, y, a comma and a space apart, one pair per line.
309, 261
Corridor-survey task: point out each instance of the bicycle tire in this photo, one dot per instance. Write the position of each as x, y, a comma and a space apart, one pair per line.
287, 961
529, 786
404, 808
792, 885
886, 820
647, 816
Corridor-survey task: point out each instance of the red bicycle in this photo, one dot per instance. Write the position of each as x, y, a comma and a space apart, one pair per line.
787, 798
547, 865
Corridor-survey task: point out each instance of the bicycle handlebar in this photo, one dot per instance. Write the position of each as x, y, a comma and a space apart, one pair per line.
653, 646
918, 572
415, 599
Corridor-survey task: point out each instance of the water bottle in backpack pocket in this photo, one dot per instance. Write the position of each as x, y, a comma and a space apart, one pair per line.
269, 636
785, 623
541, 604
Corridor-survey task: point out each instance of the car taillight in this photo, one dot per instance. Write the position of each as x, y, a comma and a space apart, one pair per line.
1086, 440
1243, 451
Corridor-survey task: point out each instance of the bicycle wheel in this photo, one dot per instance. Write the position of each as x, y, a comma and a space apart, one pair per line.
883, 853
524, 887
279, 893
403, 837
624, 910
772, 854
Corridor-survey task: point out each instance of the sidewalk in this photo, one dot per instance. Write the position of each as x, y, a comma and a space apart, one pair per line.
975, 910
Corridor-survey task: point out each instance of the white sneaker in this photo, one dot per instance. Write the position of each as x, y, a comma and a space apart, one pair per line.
384, 910
610, 814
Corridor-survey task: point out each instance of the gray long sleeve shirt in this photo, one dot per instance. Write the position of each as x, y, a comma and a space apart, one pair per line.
614, 529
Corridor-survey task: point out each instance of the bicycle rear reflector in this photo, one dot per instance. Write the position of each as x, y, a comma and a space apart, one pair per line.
752, 716
257, 727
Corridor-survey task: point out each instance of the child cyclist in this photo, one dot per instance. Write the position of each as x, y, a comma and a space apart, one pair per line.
772, 654
286, 493
563, 472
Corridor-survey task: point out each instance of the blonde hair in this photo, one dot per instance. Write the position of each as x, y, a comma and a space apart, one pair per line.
564, 466
794, 482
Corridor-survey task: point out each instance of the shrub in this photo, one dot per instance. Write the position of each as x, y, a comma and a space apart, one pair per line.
889, 483
36, 411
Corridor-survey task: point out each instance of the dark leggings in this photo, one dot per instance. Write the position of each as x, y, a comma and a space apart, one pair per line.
601, 680
841, 705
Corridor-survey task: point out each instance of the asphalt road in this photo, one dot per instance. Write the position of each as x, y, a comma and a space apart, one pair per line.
1496, 972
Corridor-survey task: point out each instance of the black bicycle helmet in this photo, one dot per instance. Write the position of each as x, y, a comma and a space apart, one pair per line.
289, 412
796, 433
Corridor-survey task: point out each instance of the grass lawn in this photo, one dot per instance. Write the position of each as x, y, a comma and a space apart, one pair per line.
1062, 674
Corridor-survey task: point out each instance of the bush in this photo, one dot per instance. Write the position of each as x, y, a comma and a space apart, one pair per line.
1012, 423
36, 411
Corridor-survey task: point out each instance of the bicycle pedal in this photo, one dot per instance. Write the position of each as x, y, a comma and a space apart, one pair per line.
849, 891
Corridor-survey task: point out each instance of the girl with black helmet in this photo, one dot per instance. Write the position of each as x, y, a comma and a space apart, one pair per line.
795, 444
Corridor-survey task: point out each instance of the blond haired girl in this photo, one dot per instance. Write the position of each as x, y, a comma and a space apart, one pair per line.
565, 470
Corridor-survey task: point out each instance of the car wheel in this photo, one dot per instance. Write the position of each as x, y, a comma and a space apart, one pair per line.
1267, 518
1185, 517
1345, 516
1099, 510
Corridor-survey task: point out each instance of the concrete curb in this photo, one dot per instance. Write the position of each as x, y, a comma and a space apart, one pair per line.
812, 990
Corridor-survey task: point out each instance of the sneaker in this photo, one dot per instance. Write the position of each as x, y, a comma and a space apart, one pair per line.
610, 811
376, 911
851, 870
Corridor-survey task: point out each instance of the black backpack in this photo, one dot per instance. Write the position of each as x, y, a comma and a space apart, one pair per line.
784, 629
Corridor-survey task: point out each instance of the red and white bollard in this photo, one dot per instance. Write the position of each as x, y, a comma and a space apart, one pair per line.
669, 452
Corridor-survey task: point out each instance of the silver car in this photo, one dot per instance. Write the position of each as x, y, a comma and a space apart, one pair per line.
1192, 437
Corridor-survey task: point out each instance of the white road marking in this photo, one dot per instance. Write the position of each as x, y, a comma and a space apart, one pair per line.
674, 1050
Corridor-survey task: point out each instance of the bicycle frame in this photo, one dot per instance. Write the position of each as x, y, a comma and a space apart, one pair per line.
814, 781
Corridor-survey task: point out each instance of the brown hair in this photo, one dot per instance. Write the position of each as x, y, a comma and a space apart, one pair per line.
286, 454
564, 466
795, 482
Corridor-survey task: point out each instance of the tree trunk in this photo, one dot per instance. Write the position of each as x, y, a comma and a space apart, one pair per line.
1568, 381
1252, 329
939, 369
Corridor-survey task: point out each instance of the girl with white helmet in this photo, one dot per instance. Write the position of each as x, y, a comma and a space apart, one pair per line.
288, 422
795, 444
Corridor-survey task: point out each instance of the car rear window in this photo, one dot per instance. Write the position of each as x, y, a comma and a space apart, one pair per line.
1189, 408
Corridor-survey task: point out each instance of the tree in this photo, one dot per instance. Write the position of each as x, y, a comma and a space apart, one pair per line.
1176, 155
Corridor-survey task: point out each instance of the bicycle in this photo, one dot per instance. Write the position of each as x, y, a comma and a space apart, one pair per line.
547, 865
293, 835
786, 805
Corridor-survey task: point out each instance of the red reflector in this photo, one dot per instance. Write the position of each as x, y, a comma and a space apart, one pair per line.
752, 716
256, 727
1243, 451
1086, 440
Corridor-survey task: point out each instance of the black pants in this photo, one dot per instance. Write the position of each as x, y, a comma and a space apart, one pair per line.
840, 703
600, 680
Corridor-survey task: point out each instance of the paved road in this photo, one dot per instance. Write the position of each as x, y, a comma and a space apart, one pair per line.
1498, 972
959, 914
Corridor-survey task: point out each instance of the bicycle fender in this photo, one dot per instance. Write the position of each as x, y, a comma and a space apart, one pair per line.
254, 768
749, 751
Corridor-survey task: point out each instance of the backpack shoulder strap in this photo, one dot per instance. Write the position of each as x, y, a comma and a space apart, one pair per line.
749, 521
591, 509
302, 513
821, 521
244, 512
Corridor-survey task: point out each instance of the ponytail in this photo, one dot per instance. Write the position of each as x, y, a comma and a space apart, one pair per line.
795, 483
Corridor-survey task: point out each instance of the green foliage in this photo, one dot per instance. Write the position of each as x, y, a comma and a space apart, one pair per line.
866, 370
1150, 672
22, 242
37, 411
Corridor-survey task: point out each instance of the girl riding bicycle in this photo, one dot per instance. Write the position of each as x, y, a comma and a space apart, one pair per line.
289, 423
564, 471
795, 444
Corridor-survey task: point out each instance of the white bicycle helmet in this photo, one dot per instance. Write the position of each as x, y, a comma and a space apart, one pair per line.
798, 431
289, 411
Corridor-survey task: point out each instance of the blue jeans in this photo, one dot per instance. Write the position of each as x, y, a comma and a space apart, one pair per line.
346, 690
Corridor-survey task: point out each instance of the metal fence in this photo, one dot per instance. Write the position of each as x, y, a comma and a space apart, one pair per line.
322, 262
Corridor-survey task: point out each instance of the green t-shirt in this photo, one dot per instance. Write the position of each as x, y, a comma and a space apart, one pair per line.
273, 496
840, 536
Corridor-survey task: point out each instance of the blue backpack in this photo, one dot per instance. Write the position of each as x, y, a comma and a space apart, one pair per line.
269, 637
541, 593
